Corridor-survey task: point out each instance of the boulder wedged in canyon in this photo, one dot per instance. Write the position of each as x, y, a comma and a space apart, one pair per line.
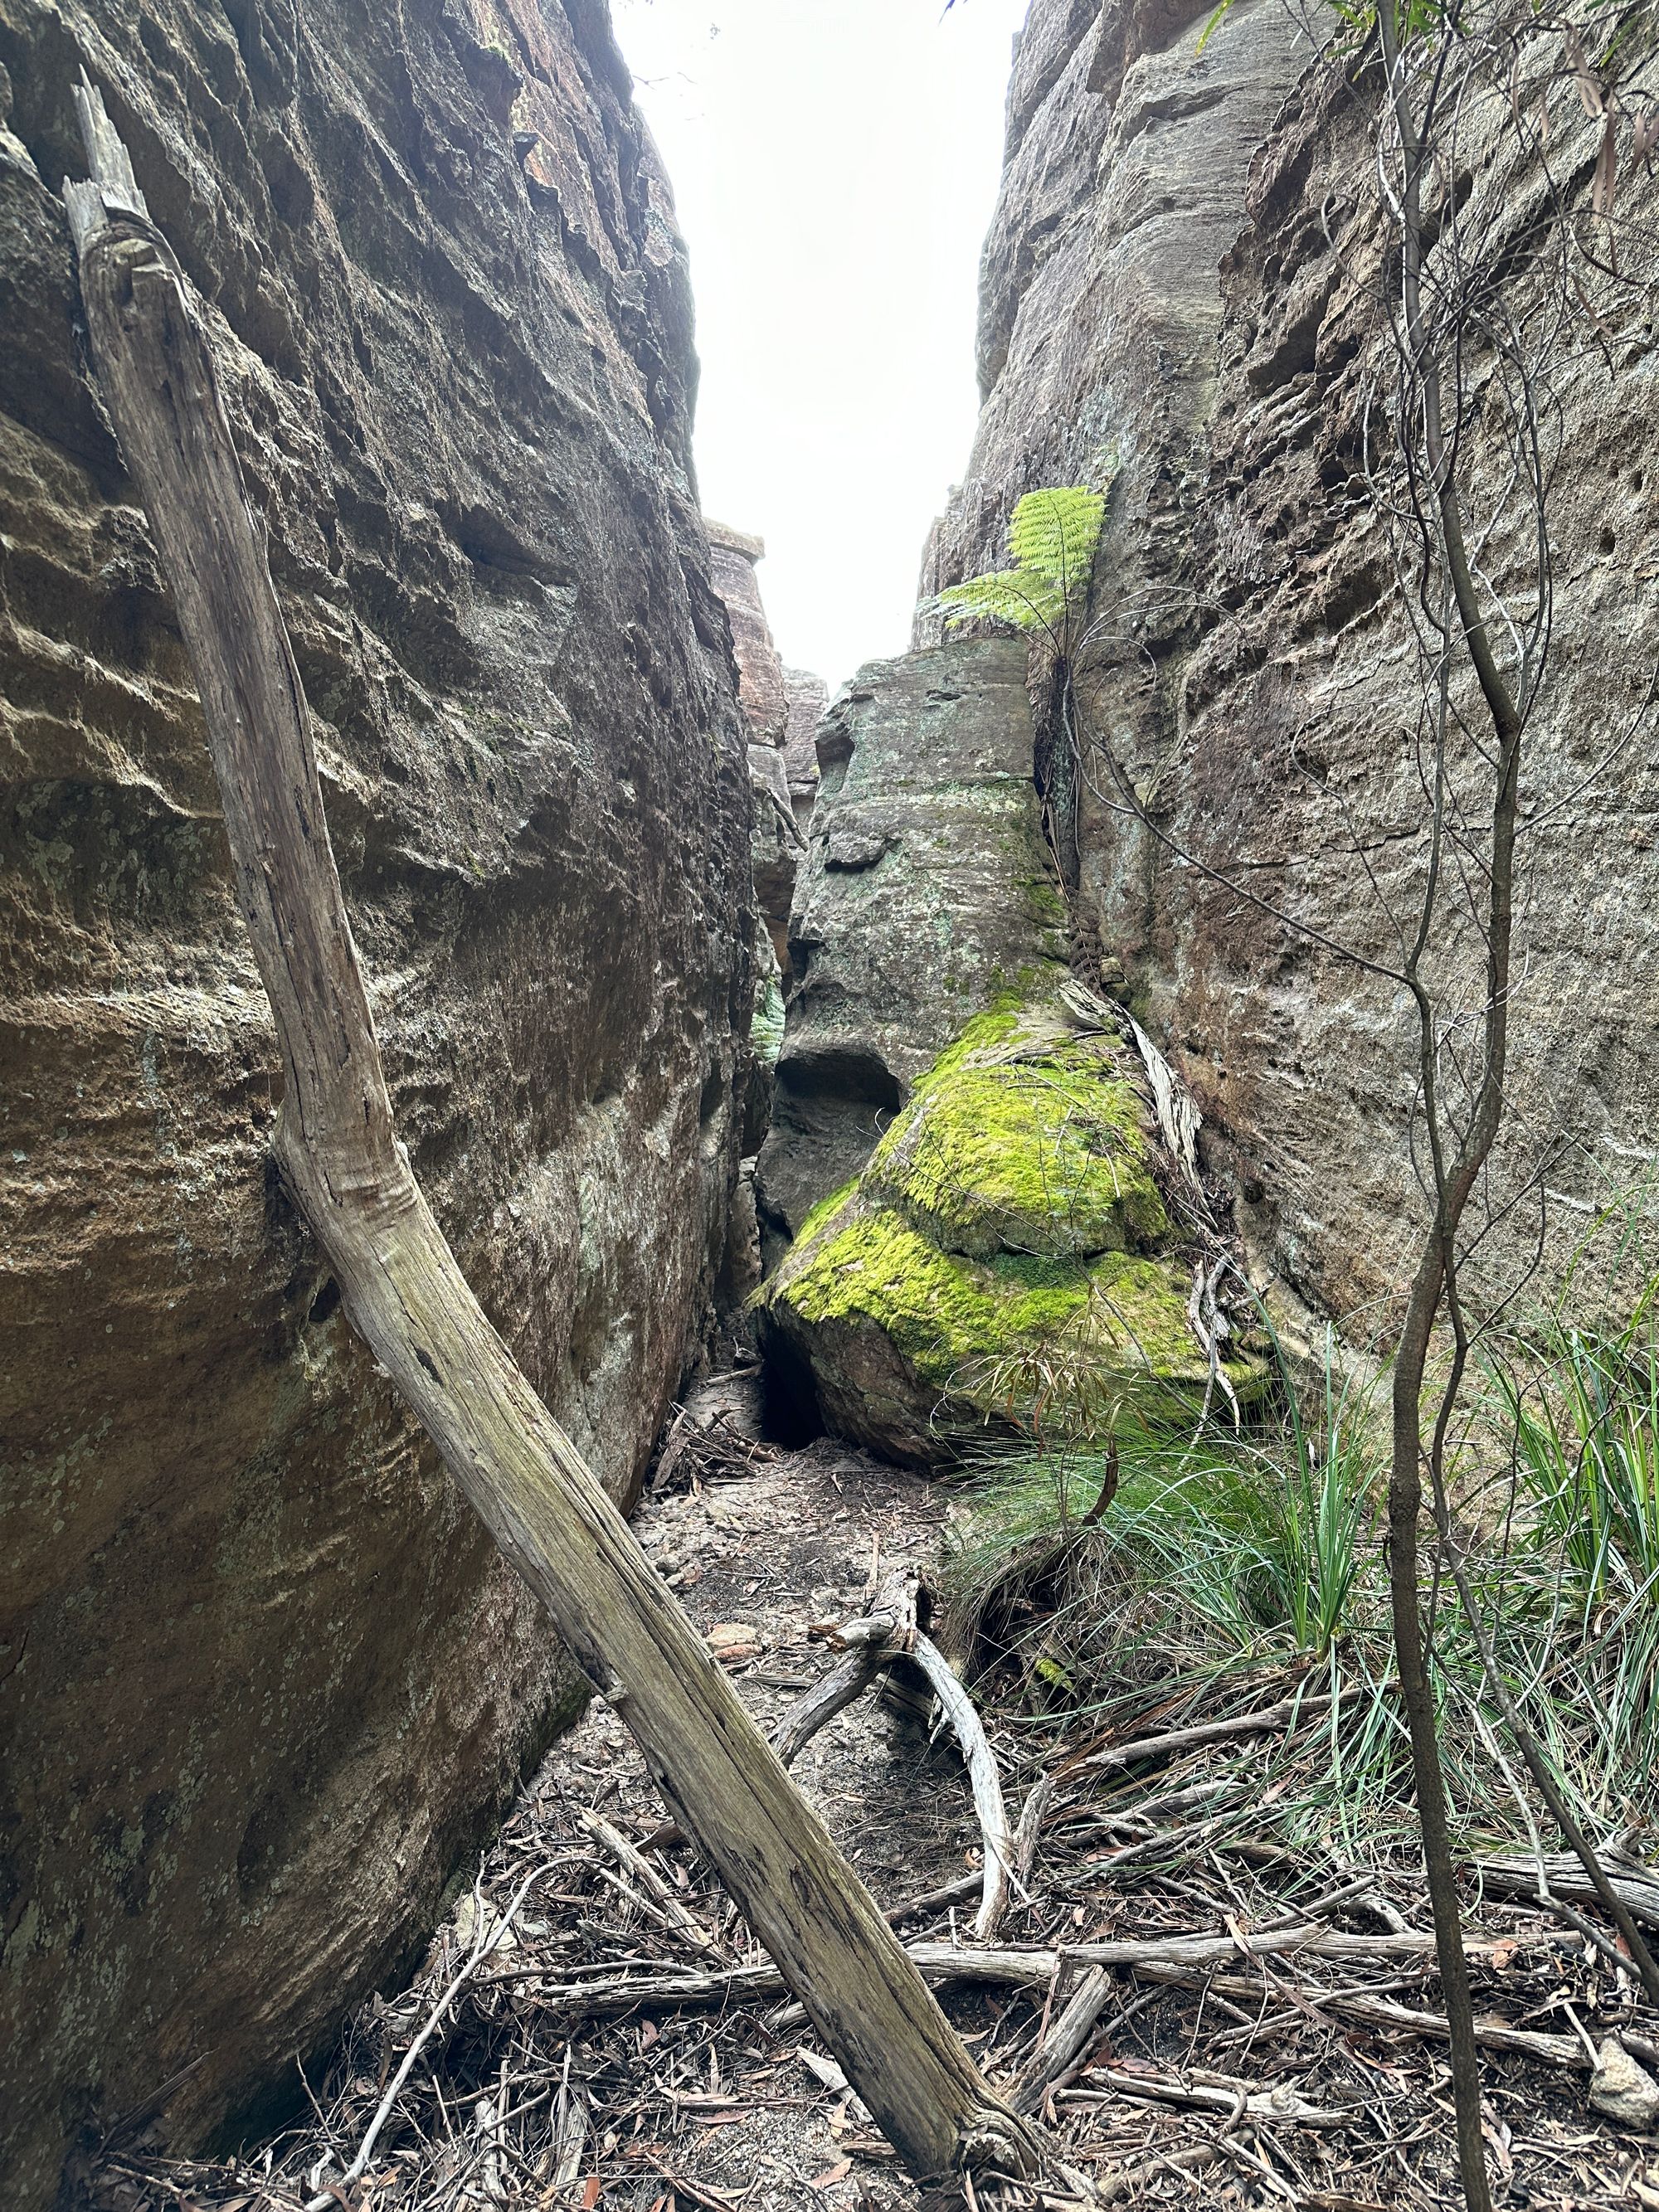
776, 846
809, 696
1180, 295
926, 891
266, 1683
1010, 1226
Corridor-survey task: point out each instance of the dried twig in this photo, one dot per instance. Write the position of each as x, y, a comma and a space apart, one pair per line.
674, 1911
486, 1938
986, 1782
1025, 1966
1281, 2103
847, 1679
1064, 2043
1294, 1708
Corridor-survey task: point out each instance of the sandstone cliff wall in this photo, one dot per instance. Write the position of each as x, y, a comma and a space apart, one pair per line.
808, 697
264, 1683
760, 670
1180, 287
775, 842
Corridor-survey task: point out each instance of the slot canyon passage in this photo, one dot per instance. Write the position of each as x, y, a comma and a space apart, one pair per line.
1088, 1186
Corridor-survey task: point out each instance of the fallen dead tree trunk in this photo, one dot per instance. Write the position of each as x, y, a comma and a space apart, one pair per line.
1180, 1961
1518, 1876
401, 1286
1163, 1957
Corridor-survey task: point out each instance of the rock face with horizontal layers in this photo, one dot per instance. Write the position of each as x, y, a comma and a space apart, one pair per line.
760, 670
1007, 1243
1182, 285
1124, 183
925, 893
777, 842
266, 1683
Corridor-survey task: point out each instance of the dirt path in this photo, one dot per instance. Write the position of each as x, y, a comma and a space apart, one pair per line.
512, 2102
757, 1563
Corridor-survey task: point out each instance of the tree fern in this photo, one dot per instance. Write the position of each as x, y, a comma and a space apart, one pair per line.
1053, 539
1055, 533
1019, 597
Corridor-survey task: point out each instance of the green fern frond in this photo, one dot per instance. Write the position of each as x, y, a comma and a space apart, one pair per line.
1056, 533
1053, 537
1020, 598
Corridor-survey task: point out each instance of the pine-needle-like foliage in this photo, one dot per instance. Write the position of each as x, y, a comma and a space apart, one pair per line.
1053, 540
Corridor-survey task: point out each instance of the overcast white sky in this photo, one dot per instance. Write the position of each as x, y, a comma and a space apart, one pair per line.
834, 164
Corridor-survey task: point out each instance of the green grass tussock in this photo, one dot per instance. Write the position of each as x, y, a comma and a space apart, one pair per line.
1229, 1570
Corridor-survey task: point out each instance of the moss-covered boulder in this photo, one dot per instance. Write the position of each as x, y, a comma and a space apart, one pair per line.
1007, 1247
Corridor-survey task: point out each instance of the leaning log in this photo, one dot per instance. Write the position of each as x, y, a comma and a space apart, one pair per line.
400, 1282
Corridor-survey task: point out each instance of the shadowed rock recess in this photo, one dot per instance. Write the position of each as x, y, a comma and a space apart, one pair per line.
266, 1683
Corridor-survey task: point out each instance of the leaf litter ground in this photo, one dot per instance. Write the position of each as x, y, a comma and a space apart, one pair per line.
613, 2042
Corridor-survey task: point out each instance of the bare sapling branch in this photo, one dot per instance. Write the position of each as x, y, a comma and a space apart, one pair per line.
1441, 516
1478, 313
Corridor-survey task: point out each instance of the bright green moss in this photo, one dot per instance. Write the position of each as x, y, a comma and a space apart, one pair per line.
995, 1026
1022, 1138
999, 1240
967, 1329
878, 1269
826, 1210
1035, 1271
1137, 1315
941, 1311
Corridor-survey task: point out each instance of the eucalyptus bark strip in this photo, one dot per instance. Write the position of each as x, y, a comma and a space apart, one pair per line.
399, 1280
1065, 2041
1518, 1873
